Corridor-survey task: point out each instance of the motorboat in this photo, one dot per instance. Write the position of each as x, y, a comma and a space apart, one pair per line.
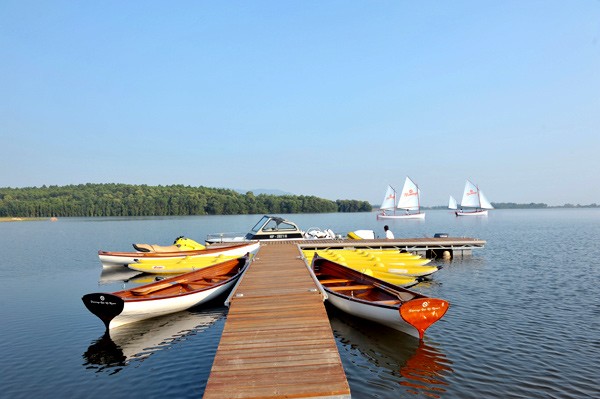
271, 228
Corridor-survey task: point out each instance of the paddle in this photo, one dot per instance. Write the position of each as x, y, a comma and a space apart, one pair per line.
167, 284
158, 287
423, 312
390, 291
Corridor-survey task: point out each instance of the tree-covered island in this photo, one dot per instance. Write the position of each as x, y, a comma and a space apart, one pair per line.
89, 200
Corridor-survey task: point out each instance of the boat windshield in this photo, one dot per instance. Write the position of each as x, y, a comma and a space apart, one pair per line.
260, 224
277, 224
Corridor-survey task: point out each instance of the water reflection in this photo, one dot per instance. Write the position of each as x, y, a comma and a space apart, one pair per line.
425, 370
110, 275
148, 278
396, 362
133, 343
120, 277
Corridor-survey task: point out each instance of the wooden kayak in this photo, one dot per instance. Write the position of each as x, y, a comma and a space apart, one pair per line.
166, 296
377, 300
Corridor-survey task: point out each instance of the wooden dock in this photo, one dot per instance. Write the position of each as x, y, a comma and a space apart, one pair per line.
277, 341
429, 247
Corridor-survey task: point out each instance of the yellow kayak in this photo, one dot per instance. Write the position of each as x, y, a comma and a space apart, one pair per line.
181, 265
378, 256
353, 236
184, 259
396, 279
362, 263
386, 253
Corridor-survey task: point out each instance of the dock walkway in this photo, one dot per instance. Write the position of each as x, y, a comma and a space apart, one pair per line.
277, 341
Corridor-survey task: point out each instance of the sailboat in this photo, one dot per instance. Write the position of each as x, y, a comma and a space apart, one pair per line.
452, 203
388, 203
473, 197
409, 201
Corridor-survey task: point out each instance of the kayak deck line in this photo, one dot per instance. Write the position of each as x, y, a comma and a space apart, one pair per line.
277, 341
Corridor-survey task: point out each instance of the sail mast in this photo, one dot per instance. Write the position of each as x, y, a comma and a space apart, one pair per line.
418, 197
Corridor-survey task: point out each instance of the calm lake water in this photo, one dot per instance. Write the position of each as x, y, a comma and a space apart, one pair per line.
524, 320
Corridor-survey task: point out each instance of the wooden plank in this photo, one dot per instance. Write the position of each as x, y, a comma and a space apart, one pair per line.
351, 287
277, 341
334, 281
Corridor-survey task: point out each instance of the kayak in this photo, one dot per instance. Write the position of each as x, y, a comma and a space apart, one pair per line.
120, 259
177, 265
388, 268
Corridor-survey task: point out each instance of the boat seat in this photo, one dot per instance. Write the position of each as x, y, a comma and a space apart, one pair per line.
196, 285
155, 248
388, 302
148, 290
351, 287
334, 280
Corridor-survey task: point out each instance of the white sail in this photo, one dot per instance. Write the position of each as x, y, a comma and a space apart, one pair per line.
452, 203
485, 204
409, 198
470, 197
389, 201
473, 198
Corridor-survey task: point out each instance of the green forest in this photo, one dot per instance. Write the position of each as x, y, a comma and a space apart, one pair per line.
90, 200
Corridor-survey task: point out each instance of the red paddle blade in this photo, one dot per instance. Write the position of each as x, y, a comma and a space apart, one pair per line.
423, 312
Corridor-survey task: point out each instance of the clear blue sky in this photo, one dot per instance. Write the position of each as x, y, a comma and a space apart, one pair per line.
336, 99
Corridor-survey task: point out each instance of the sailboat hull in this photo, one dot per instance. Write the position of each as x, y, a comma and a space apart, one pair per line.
405, 216
472, 213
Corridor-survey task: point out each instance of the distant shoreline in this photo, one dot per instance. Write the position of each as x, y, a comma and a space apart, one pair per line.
512, 205
54, 219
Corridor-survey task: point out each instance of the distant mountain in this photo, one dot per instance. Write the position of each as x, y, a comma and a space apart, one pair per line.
258, 191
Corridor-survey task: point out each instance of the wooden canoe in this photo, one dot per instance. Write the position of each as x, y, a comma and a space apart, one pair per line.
377, 300
166, 296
